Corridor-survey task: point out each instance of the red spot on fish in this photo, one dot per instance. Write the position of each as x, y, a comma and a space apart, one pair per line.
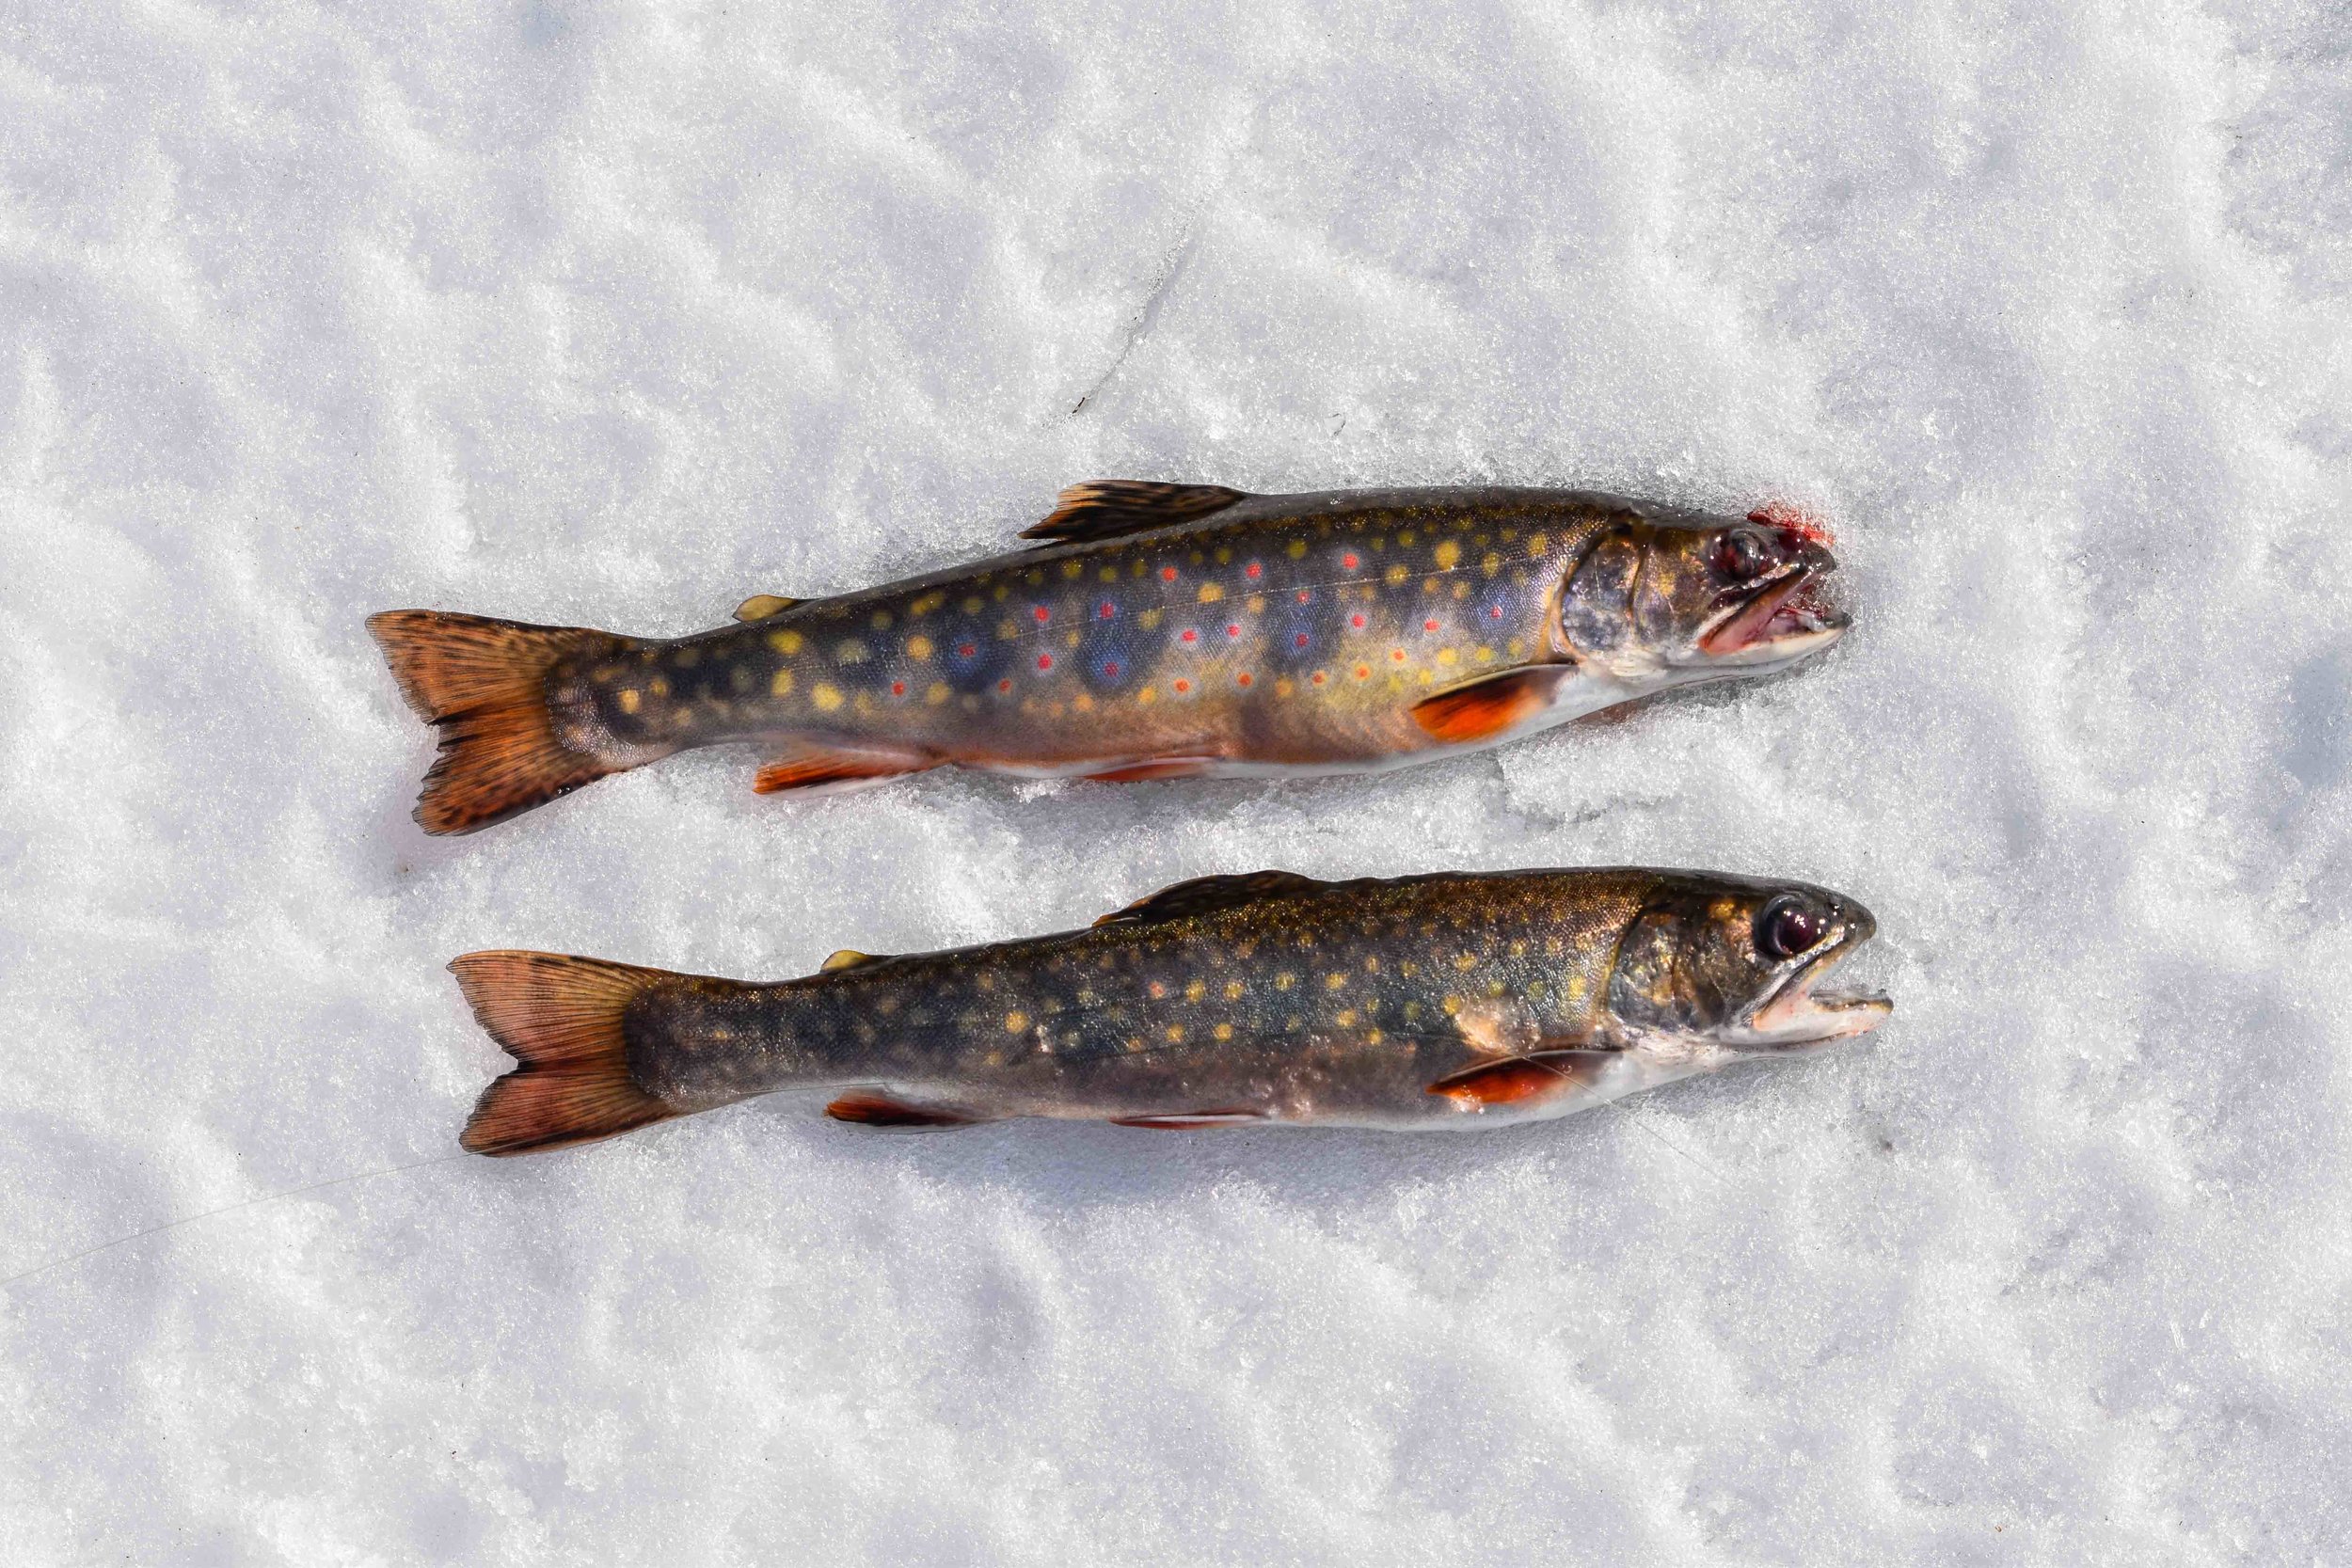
1108, 611
1317, 677
1494, 613
1363, 672
1429, 626
1110, 669
1349, 560
1397, 653
1243, 678
1356, 620
965, 650
1232, 628
1791, 518
1253, 570
898, 689
1304, 596
1167, 574
1004, 685
1299, 641
1045, 661
1184, 686
1043, 613
1188, 635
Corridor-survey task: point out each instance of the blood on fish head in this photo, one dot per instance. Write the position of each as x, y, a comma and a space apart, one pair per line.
1738, 964
1655, 602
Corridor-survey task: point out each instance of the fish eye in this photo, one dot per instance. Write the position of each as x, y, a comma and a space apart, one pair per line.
1788, 926
1743, 554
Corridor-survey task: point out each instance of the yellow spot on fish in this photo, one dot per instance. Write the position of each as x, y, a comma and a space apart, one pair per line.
1347, 1018
1371, 964
972, 604
928, 603
918, 648
1284, 981
1466, 960
1146, 697
1373, 1039
1225, 557
1233, 991
1015, 1022
658, 687
782, 685
1282, 688
1083, 702
1405, 540
1448, 555
1333, 982
1516, 646
1211, 592
1072, 568
1111, 574
784, 642
1175, 1034
1008, 630
1452, 1005
937, 694
1223, 1031
1298, 548
1484, 655
1003, 591
827, 697
864, 703
682, 718
1538, 544
630, 701
1034, 579
1492, 564
686, 658
1576, 988
1193, 991
1394, 577
881, 620
851, 652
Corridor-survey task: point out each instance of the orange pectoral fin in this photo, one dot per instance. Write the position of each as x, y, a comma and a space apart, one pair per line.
880, 1110
1486, 708
816, 769
1523, 1078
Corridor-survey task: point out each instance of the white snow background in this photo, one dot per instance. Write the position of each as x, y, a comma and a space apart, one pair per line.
614, 314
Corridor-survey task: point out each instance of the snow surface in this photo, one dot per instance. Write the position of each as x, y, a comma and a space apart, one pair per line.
614, 315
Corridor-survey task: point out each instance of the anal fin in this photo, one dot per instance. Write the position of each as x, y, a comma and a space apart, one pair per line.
817, 769
1519, 1080
1158, 767
881, 1110
1492, 706
1183, 1121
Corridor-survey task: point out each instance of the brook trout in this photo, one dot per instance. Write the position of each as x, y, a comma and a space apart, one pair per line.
1443, 1000
1154, 631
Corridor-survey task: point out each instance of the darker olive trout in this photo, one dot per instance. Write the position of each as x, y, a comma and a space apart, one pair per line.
1154, 631
1440, 1001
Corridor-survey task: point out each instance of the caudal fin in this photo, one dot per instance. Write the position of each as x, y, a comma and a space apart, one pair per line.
560, 1018
485, 683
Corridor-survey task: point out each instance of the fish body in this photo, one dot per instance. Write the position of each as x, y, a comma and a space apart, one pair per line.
1448, 1000
1154, 631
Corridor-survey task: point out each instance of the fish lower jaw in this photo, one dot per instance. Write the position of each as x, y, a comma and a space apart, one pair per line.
1804, 1019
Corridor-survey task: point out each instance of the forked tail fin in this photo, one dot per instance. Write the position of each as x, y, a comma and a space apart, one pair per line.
485, 683
560, 1018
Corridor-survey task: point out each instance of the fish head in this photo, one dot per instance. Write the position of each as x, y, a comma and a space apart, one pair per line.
1739, 966
1668, 601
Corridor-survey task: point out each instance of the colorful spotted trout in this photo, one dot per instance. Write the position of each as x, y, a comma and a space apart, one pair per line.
1442, 1001
1154, 631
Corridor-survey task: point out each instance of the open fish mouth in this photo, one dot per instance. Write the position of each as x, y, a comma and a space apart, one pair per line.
1786, 619
1806, 1011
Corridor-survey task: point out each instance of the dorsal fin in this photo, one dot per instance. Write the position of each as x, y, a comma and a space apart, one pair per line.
850, 958
760, 606
1204, 893
1109, 508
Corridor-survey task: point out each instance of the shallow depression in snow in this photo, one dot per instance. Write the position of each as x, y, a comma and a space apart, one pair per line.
614, 315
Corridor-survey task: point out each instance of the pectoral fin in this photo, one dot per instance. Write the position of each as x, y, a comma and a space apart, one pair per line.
1485, 708
760, 606
1520, 1080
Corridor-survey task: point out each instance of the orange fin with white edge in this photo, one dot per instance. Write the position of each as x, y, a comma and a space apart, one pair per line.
562, 1019
1491, 706
1186, 1121
882, 1110
485, 684
1114, 508
816, 768
1520, 1078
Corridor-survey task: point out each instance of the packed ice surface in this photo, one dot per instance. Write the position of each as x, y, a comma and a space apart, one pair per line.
611, 316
